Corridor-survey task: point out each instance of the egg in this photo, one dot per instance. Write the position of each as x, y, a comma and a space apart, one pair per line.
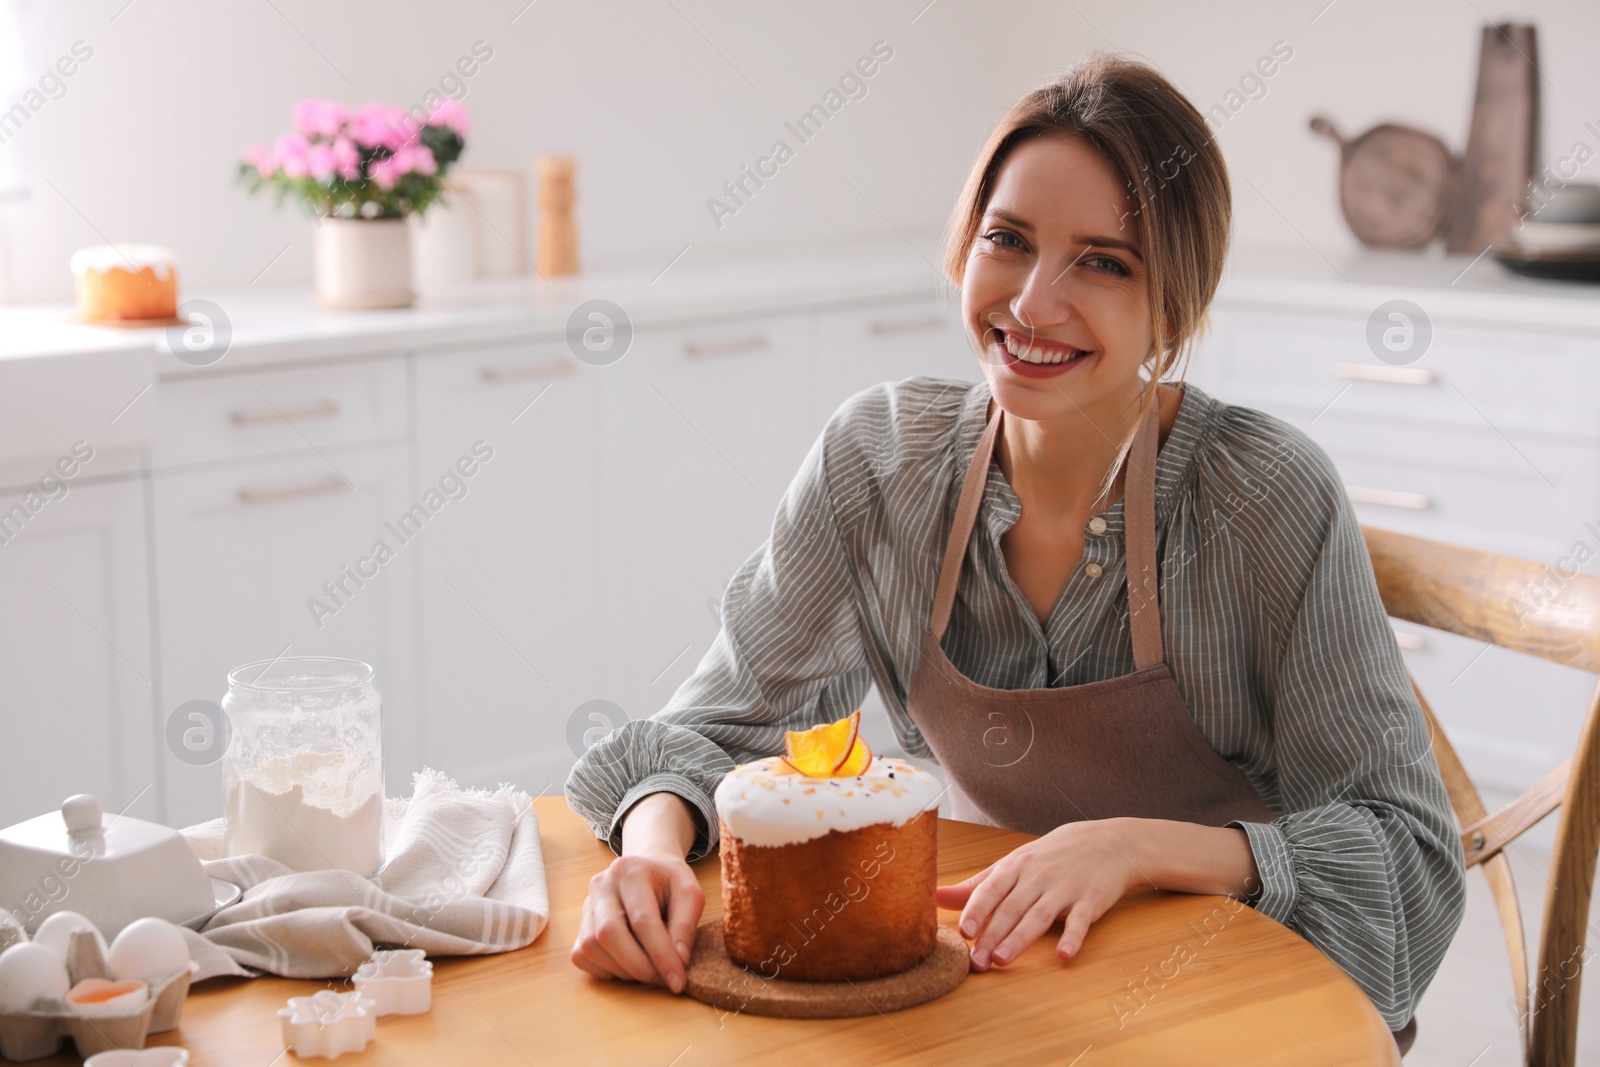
148, 949
57, 930
29, 971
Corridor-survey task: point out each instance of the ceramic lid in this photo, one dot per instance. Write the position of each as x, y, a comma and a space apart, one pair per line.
111, 869
81, 830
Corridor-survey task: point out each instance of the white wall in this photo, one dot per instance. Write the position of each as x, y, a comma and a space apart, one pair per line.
653, 98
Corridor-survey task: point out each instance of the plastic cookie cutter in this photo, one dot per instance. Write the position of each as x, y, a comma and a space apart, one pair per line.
399, 980
328, 1024
164, 1056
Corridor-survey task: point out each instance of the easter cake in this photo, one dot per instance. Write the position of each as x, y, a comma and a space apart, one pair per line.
126, 283
829, 859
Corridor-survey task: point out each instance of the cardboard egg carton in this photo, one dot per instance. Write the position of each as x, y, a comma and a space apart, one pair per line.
34, 1034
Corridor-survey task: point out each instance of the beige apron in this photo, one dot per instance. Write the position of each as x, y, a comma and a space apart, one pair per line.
1033, 759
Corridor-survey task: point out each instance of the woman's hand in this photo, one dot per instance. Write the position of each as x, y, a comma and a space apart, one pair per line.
1078, 870
640, 916
639, 920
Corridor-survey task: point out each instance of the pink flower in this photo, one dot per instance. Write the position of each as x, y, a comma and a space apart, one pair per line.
448, 112
347, 159
385, 172
319, 118
258, 156
320, 160
416, 159
291, 152
376, 126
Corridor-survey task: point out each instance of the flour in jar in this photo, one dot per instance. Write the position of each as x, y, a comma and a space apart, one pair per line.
310, 811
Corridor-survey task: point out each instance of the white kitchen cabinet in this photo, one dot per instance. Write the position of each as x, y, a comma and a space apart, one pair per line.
855, 348
701, 432
1487, 441
75, 662
511, 641
240, 552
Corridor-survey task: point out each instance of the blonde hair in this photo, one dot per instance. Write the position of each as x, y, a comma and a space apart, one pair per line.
1177, 183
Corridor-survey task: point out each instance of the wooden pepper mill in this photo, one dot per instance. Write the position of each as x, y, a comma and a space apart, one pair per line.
558, 231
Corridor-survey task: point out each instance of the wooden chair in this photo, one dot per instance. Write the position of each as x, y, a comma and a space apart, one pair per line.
1485, 597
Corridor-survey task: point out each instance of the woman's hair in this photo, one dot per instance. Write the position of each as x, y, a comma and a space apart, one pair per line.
1180, 202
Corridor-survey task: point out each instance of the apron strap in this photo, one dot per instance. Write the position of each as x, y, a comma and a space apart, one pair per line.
955, 549
1139, 534
1139, 528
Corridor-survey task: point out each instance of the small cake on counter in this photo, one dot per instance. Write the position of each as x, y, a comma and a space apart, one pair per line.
126, 283
829, 859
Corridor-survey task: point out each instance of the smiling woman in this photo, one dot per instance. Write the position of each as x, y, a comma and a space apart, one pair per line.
1124, 616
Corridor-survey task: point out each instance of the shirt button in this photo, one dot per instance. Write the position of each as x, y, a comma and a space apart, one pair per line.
1092, 569
1097, 524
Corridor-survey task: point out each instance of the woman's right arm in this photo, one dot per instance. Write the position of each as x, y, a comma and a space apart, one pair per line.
789, 655
640, 915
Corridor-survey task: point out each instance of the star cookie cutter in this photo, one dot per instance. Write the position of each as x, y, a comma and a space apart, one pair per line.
328, 1024
399, 980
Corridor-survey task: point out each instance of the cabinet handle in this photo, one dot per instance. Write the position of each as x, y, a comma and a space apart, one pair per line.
521, 372
327, 409
332, 484
1389, 498
894, 327
1410, 642
1375, 372
738, 346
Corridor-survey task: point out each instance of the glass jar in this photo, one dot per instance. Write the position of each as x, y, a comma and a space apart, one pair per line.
303, 767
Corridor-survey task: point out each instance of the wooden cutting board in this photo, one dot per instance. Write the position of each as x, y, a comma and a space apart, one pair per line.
1396, 183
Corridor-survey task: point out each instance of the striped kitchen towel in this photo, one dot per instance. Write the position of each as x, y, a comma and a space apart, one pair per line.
464, 876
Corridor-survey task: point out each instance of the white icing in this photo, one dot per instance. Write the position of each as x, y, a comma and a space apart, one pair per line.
762, 808
131, 258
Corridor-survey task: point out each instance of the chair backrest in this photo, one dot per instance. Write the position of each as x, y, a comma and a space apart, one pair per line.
1543, 611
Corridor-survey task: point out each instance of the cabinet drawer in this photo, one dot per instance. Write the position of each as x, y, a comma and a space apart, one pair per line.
1476, 378
1400, 475
276, 412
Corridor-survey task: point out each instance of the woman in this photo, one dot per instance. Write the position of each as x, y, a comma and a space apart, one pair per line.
1244, 725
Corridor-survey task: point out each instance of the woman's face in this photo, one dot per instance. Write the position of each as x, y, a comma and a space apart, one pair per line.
1055, 300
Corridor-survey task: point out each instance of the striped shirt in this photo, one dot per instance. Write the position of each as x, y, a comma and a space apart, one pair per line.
1270, 616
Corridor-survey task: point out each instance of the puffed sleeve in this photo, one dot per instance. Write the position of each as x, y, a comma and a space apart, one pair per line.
1366, 863
789, 655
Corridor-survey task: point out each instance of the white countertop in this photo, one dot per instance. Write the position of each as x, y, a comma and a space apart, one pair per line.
268, 326
271, 325
1446, 286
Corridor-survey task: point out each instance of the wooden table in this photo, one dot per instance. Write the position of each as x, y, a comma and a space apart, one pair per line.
1162, 978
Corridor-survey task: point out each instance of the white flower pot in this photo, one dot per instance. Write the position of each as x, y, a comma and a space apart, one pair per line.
363, 263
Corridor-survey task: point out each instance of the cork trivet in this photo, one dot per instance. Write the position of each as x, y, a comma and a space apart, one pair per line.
714, 978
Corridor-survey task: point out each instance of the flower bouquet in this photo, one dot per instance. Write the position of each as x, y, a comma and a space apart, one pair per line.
361, 173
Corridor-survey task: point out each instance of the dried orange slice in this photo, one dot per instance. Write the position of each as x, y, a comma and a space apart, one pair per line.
833, 750
860, 758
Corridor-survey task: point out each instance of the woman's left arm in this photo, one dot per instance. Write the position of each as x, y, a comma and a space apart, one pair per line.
1366, 862
1078, 870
